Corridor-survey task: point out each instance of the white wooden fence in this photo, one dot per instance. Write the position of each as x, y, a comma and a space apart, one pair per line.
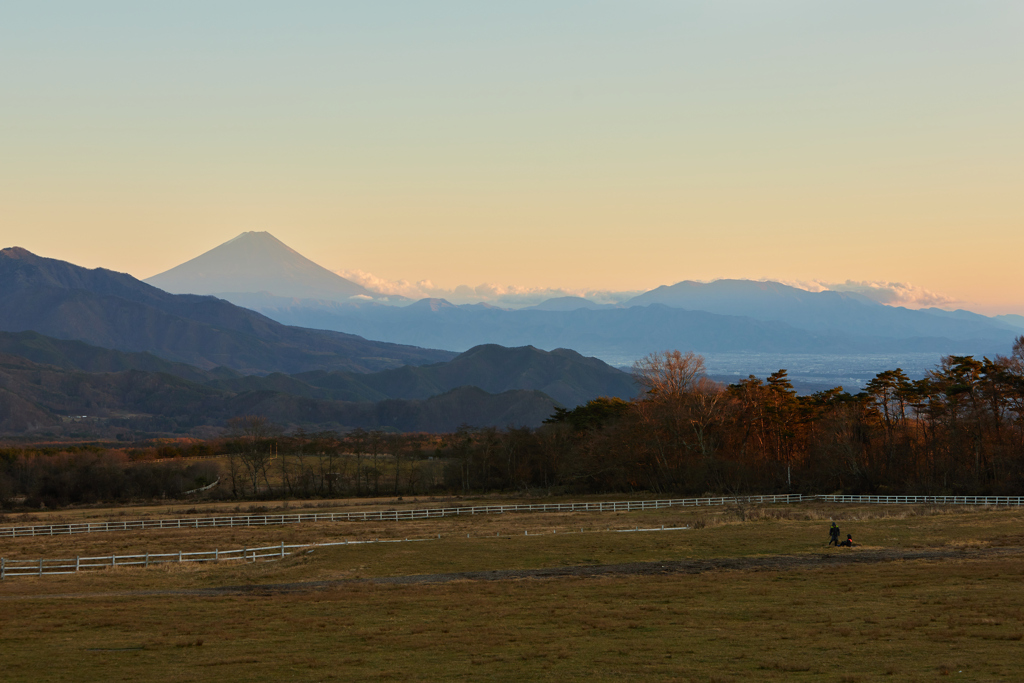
431, 513
380, 515
51, 567
995, 501
202, 488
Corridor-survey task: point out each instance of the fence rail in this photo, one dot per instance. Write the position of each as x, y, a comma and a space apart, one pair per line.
379, 515
201, 488
1000, 501
51, 567
431, 513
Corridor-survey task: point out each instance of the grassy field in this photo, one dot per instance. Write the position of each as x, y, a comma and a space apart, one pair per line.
961, 616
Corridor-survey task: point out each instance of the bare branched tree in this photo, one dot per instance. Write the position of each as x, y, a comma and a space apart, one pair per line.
253, 433
669, 374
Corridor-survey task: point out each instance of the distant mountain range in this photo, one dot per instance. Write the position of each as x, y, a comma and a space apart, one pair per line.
721, 317
827, 311
59, 387
116, 311
629, 332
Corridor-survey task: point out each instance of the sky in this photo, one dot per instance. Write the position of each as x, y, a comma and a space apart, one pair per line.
567, 146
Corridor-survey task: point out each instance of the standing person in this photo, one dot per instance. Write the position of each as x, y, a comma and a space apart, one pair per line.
833, 535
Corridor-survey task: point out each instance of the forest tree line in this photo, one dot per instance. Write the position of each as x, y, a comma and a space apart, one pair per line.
958, 430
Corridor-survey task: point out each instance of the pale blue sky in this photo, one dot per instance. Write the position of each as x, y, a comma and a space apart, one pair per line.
607, 145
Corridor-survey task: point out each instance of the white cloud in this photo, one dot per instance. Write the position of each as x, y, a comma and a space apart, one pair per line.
514, 296
499, 295
888, 293
389, 287
896, 293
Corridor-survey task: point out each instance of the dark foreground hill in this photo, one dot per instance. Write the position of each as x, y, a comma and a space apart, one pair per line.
71, 354
61, 386
568, 377
47, 400
563, 374
116, 311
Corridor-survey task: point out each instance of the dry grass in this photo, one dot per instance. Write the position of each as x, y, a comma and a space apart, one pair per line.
906, 621
715, 532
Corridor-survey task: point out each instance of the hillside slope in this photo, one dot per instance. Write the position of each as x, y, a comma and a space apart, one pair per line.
47, 400
69, 354
116, 311
565, 375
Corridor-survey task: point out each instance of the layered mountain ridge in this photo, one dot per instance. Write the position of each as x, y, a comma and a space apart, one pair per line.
116, 311
715, 318
59, 387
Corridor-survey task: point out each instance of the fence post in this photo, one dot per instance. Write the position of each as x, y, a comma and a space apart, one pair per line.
78, 561
113, 560
147, 559
282, 550
179, 557
3, 568
216, 555
40, 566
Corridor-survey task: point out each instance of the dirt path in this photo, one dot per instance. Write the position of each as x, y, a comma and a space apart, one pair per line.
757, 563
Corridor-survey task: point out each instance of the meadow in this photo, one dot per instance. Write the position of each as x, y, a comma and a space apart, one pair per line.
787, 608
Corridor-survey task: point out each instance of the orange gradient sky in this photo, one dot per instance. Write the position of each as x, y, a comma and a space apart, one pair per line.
604, 145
